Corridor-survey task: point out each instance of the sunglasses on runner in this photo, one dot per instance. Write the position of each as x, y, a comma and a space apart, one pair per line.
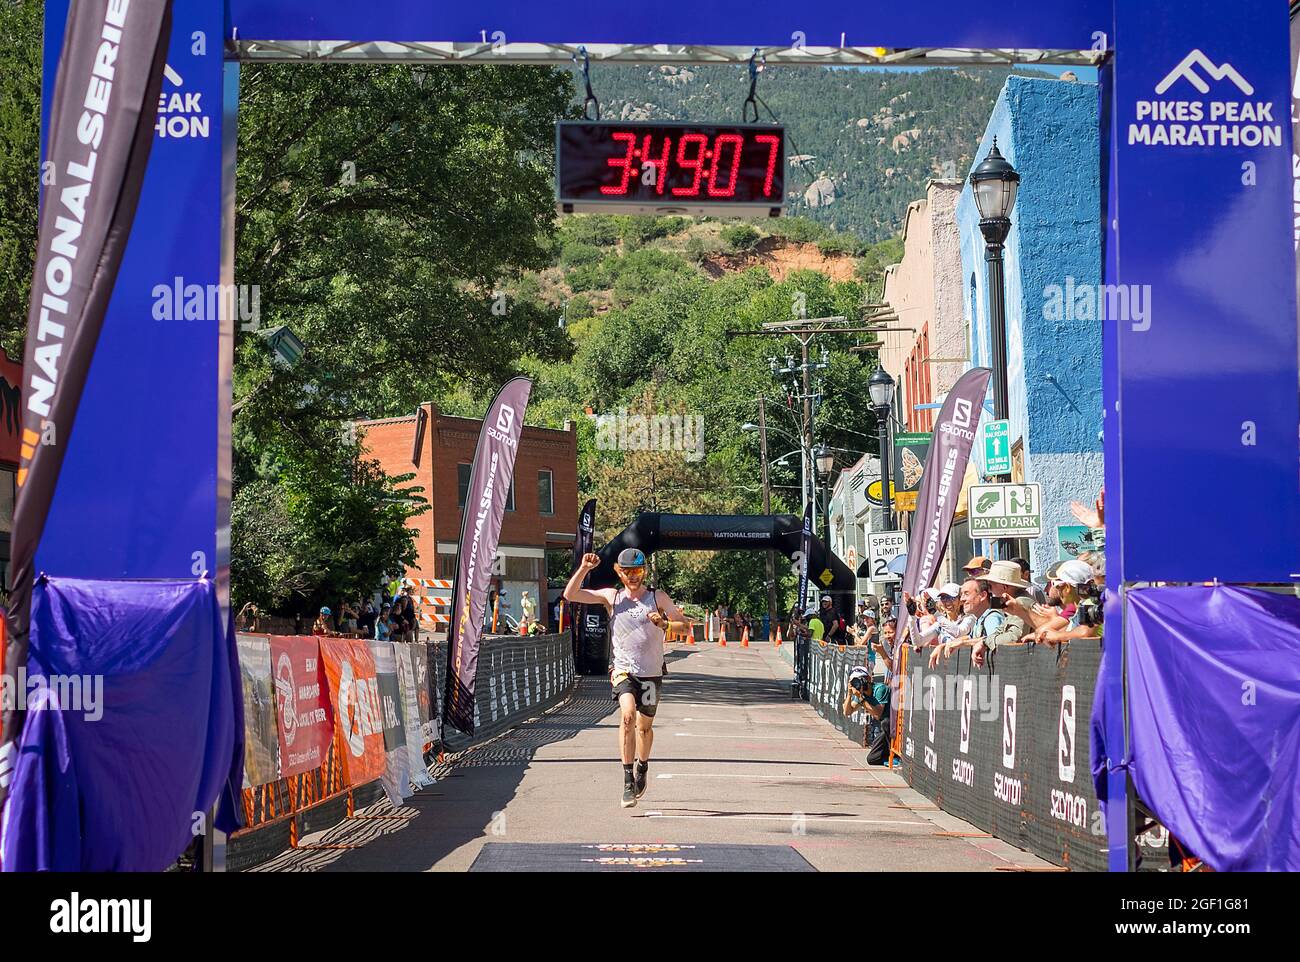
636, 572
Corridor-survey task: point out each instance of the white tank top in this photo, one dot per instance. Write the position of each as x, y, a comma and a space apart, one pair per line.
638, 644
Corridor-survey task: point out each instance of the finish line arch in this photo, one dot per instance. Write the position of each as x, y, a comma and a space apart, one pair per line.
653, 532
157, 402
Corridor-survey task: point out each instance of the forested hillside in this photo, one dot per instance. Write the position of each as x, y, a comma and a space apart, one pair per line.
869, 139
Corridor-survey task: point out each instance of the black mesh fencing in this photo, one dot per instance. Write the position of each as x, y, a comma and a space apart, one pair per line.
828, 685
519, 676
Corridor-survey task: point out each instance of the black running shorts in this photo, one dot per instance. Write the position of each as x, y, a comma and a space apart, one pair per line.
646, 691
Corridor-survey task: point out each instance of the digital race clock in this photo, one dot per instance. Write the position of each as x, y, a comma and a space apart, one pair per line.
670, 168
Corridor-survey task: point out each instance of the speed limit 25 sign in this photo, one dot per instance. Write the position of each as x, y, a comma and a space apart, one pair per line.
882, 548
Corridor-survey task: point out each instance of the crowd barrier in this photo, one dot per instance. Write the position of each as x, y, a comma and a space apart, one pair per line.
1007, 747
828, 685
333, 724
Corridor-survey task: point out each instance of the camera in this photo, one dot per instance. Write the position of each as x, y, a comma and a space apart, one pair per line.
931, 605
1091, 614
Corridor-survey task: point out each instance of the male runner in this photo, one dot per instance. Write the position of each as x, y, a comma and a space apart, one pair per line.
639, 616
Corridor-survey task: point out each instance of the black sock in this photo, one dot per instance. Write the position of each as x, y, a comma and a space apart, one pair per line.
641, 766
627, 770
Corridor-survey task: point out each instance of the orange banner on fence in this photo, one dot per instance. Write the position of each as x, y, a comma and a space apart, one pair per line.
354, 695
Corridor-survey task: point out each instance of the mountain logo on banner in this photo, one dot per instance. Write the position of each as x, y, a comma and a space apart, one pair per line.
1205, 123
1186, 71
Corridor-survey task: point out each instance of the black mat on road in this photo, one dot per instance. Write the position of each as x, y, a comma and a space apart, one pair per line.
637, 857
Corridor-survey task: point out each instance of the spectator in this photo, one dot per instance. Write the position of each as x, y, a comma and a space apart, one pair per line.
1009, 587
977, 566
870, 696
527, 608
950, 622
831, 621
383, 626
1080, 594
366, 620
322, 625
246, 620
816, 627
1034, 591
992, 626
885, 648
348, 620
864, 629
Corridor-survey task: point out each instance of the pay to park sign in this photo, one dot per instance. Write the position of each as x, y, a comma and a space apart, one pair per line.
882, 548
1005, 510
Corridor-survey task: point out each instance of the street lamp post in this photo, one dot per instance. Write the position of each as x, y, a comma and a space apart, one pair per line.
994, 183
881, 390
825, 465
767, 509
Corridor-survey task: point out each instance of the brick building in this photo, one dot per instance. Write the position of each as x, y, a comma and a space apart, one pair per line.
541, 513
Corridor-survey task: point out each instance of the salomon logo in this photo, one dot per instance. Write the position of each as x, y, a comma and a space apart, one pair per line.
1065, 736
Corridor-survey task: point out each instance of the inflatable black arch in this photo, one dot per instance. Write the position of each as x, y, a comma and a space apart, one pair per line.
653, 532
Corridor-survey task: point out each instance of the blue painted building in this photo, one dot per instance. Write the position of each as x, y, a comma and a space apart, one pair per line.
1047, 129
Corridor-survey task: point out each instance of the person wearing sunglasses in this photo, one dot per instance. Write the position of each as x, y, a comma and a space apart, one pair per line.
638, 618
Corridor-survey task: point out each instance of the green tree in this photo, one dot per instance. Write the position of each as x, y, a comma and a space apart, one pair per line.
320, 533
21, 30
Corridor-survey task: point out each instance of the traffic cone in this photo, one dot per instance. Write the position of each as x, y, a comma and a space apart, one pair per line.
778, 636
744, 637
690, 632
722, 634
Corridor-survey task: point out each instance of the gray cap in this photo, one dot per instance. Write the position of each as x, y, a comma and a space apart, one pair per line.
631, 558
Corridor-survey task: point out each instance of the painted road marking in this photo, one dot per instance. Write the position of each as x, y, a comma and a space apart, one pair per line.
833, 780
789, 818
758, 738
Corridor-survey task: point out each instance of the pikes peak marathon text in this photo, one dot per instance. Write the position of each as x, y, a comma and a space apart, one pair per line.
1188, 123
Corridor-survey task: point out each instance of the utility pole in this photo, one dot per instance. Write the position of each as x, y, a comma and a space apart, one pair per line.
767, 509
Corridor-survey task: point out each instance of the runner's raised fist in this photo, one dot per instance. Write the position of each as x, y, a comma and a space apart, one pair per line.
591, 560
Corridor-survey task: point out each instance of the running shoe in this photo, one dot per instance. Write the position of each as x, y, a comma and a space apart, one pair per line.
629, 790
640, 780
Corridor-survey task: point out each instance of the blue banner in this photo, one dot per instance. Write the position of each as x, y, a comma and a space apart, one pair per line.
141, 469
1017, 23
1206, 381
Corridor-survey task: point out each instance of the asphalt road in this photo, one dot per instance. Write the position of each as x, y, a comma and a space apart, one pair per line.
734, 761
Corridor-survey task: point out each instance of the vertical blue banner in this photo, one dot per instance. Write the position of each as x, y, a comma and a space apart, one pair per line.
1206, 384
138, 494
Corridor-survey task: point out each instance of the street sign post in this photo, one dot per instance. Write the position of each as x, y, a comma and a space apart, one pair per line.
882, 548
997, 448
1004, 511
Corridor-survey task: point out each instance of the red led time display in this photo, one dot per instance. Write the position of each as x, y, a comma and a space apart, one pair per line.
663, 165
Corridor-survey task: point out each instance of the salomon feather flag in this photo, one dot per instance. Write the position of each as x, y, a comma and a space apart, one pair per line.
945, 466
480, 530
805, 552
581, 545
100, 125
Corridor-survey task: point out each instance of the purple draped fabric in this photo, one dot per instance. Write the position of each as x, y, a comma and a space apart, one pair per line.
1214, 721
114, 782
